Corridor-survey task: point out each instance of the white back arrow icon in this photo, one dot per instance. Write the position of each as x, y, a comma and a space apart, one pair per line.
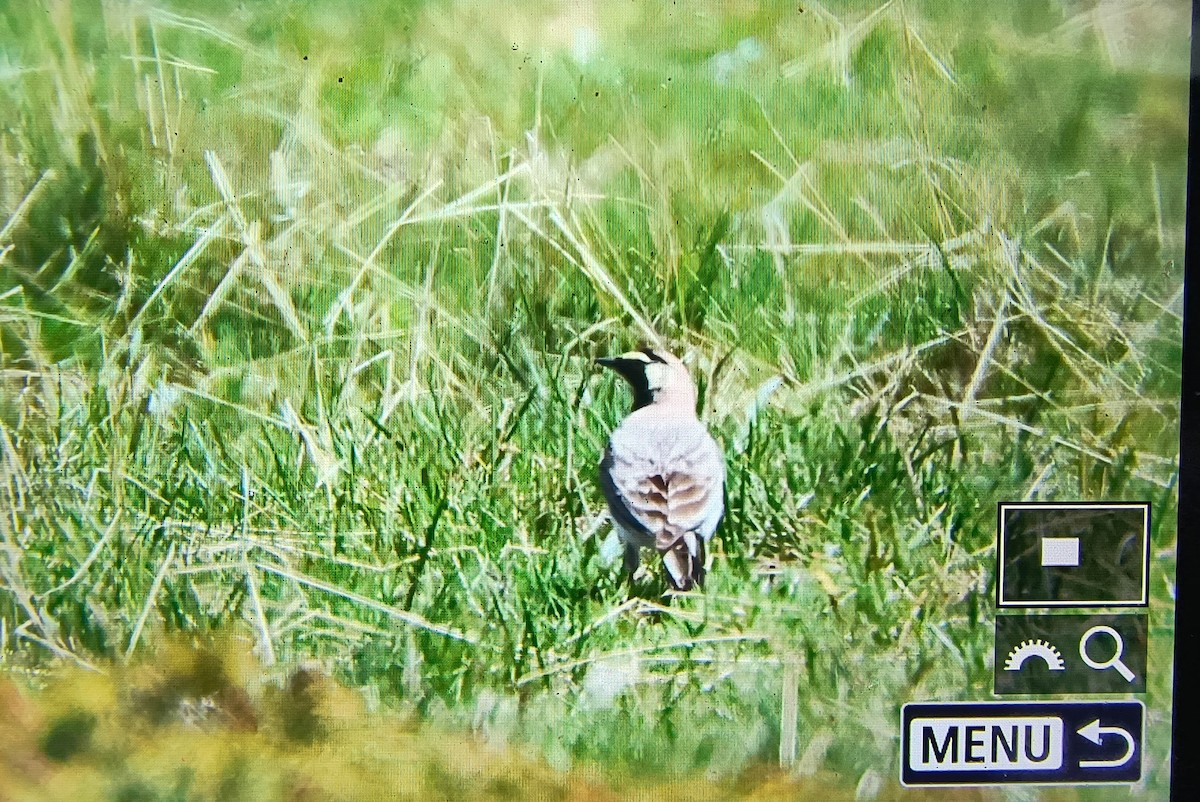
1095, 733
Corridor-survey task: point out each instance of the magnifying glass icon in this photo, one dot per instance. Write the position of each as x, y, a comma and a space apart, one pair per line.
1112, 662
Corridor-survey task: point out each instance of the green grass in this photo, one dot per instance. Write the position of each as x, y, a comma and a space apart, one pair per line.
298, 308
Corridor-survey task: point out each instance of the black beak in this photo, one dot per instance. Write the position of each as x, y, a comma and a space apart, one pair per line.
621, 365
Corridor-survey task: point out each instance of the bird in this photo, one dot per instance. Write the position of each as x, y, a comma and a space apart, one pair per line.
662, 473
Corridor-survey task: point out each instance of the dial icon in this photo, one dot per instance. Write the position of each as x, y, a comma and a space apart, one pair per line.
1043, 650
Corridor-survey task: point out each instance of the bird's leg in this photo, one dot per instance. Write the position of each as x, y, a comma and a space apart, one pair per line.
633, 560
636, 572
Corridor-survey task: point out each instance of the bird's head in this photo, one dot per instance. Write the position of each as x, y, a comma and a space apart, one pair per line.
656, 377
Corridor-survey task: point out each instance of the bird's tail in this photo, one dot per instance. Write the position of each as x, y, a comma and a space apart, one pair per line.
684, 561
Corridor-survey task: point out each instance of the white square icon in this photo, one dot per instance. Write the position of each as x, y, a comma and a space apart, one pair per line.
1060, 552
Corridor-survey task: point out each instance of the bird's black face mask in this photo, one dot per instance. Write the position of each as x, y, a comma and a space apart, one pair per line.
632, 368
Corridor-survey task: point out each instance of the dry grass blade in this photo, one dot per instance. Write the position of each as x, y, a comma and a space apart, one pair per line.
596, 272
29, 199
412, 619
151, 596
193, 253
571, 665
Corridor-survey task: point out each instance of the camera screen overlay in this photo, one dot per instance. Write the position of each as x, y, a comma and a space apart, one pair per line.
590, 399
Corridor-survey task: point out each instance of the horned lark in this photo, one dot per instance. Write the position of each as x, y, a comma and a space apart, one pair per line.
662, 473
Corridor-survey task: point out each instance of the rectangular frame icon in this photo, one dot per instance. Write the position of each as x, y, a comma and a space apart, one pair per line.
1056, 555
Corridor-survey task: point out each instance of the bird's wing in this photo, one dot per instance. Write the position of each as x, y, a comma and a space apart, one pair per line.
661, 494
696, 489
622, 511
